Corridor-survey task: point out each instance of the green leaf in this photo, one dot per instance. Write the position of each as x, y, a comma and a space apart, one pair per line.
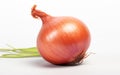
20, 52
21, 55
4, 49
28, 50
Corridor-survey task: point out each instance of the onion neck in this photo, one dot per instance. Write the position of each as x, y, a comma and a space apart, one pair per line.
40, 14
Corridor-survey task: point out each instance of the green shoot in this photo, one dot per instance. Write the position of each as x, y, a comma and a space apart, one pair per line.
19, 52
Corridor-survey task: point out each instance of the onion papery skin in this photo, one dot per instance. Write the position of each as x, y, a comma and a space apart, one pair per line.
62, 40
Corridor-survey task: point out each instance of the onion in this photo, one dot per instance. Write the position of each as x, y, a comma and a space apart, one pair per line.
61, 40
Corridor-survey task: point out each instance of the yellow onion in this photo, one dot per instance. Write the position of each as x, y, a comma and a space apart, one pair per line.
61, 40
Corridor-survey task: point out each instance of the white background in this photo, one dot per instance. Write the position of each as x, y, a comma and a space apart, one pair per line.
19, 29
